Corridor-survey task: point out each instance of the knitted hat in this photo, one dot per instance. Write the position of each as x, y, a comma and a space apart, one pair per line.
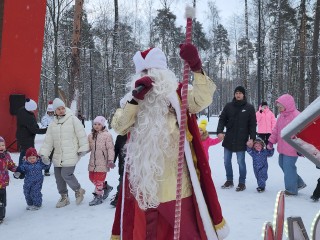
151, 58
30, 105
203, 125
31, 152
57, 102
240, 89
2, 139
260, 141
264, 104
50, 107
101, 120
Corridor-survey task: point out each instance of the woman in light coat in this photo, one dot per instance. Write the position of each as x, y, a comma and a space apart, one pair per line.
67, 137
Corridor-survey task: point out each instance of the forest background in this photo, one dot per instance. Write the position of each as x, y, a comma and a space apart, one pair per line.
268, 46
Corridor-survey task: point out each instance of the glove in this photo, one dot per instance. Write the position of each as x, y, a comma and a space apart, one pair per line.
189, 53
270, 146
82, 154
146, 82
16, 175
45, 160
260, 111
111, 164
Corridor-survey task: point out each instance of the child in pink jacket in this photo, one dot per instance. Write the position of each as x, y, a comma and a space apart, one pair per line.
6, 163
205, 139
287, 154
101, 159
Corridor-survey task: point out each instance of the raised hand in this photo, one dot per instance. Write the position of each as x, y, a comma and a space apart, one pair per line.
189, 53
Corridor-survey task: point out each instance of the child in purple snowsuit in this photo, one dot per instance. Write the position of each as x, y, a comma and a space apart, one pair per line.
32, 168
6, 163
260, 164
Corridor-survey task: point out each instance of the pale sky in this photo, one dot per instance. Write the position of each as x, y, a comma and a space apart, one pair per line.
226, 8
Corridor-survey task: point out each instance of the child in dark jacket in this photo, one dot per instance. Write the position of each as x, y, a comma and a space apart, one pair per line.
260, 164
6, 163
32, 168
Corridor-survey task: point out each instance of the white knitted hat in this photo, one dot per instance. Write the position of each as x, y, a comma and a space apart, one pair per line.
57, 102
151, 58
30, 105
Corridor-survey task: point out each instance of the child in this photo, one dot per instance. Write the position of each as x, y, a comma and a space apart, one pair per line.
101, 159
45, 122
287, 154
260, 164
32, 168
6, 163
206, 140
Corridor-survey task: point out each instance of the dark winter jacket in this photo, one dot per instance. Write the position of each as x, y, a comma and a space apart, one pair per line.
27, 128
239, 118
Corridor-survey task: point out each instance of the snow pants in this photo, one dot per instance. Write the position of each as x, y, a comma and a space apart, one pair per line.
97, 178
32, 191
3, 203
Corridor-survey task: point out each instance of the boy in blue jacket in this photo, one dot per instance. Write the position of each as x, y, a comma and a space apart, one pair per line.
259, 154
32, 168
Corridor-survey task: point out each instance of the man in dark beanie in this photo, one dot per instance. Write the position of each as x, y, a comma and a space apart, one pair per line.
239, 118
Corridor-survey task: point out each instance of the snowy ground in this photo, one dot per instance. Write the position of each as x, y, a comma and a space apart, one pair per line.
245, 211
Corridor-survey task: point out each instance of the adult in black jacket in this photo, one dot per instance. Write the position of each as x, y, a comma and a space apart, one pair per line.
27, 127
119, 152
239, 118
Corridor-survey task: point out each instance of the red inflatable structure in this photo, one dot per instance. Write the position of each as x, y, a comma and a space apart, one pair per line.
21, 43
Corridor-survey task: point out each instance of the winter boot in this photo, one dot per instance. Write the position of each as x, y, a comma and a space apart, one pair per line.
29, 207
114, 201
79, 195
63, 201
228, 184
241, 187
106, 191
98, 199
35, 208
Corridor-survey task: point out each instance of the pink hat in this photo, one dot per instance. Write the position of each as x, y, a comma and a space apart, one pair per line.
101, 120
1, 139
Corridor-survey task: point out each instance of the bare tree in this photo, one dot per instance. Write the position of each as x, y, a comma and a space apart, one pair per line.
55, 9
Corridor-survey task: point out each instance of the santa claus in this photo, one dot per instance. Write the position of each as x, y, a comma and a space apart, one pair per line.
146, 207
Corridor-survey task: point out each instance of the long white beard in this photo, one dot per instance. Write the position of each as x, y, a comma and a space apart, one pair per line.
149, 143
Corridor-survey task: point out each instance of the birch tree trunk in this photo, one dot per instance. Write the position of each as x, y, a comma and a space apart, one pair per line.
302, 49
